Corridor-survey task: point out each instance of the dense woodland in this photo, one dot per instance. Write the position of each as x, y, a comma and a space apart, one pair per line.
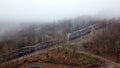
106, 40
31, 34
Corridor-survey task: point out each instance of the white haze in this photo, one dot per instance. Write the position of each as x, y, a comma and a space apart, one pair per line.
14, 12
49, 10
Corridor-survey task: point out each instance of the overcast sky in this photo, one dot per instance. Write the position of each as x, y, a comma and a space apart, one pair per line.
49, 10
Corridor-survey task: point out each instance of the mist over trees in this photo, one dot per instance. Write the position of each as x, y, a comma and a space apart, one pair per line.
106, 41
31, 34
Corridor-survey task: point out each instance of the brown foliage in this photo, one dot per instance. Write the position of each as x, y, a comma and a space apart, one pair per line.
107, 40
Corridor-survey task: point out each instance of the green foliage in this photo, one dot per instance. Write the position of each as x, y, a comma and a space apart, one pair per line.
74, 52
69, 52
88, 59
69, 55
65, 48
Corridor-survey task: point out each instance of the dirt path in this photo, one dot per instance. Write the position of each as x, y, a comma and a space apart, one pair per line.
32, 54
111, 64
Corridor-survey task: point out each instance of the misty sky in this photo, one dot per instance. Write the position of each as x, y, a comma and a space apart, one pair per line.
49, 10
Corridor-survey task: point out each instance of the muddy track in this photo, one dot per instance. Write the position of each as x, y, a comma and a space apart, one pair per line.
111, 64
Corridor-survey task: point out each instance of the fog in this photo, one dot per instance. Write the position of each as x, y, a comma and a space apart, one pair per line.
15, 12
49, 10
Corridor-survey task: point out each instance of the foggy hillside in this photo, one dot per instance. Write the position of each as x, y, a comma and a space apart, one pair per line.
108, 14
8, 28
11, 28
59, 33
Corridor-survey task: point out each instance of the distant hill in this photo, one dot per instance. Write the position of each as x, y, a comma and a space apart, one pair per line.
108, 14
